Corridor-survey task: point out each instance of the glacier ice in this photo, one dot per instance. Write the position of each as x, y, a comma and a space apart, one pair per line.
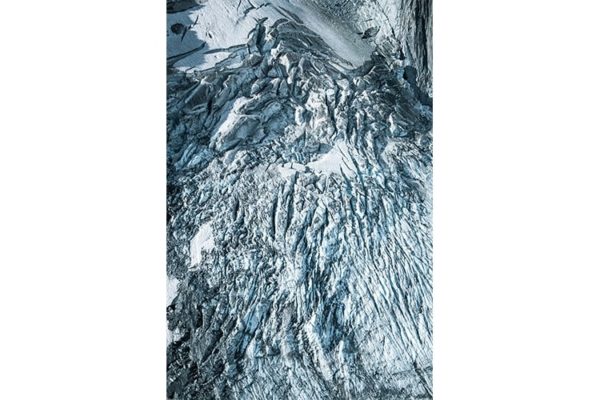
299, 159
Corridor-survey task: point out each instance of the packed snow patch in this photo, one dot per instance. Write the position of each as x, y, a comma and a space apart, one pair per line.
171, 289
289, 169
203, 240
233, 115
335, 160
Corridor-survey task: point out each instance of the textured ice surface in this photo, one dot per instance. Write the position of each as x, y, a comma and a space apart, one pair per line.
299, 199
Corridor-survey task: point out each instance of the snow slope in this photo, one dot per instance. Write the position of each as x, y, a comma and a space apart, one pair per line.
224, 24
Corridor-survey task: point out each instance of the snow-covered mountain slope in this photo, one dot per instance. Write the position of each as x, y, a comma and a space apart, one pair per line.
403, 27
299, 200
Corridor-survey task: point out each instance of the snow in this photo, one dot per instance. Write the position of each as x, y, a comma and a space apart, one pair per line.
222, 24
203, 241
232, 116
289, 169
342, 40
335, 160
313, 263
171, 289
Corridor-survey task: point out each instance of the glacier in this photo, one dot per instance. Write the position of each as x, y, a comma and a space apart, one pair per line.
299, 201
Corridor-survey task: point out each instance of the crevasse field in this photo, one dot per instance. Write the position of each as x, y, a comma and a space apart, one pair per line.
299, 199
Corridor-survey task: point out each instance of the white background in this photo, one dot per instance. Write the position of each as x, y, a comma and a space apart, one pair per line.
82, 205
